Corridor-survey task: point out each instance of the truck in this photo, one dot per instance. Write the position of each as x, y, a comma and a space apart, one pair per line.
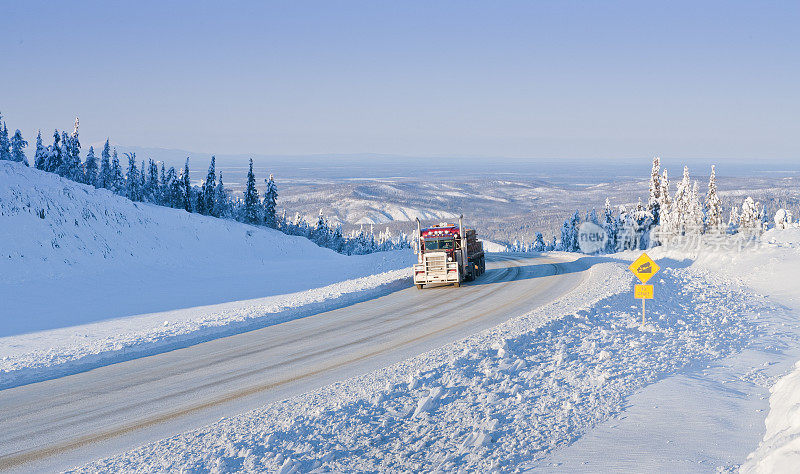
447, 254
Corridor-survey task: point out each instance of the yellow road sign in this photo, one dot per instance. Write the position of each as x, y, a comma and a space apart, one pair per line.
644, 268
643, 292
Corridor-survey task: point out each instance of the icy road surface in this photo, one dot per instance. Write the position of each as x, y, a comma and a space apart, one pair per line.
68, 421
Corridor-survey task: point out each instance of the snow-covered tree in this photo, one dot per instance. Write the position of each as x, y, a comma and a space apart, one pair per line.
251, 201
221, 200
591, 216
152, 185
90, 168
696, 215
117, 180
133, 180
5, 143
320, 234
783, 219
733, 220
654, 203
186, 187
72, 167
538, 244
569, 233
751, 216
55, 155
175, 187
104, 176
209, 188
270, 202
679, 218
610, 227
713, 204
40, 157
642, 223
17, 148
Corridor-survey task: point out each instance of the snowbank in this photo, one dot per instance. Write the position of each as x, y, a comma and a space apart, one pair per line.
78, 265
780, 450
771, 267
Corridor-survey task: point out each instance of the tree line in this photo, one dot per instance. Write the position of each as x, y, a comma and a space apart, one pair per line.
151, 183
665, 217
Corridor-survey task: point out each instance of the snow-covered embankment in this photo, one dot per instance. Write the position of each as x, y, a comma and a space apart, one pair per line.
89, 278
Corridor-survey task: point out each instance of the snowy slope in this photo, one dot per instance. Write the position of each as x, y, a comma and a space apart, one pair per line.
73, 255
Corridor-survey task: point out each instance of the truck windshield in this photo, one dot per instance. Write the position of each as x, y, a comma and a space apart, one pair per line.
439, 244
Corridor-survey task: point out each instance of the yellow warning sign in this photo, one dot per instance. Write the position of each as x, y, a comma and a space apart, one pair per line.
643, 292
644, 268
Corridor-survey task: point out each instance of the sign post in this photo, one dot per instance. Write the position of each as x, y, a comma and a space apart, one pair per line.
644, 268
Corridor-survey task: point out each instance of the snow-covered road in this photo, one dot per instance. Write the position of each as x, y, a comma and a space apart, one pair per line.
71, 420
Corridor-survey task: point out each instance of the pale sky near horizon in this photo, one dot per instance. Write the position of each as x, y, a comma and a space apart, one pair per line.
706, 80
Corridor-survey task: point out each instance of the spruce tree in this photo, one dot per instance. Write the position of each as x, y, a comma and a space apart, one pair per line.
152, 181
186, 188
90, 168
713, 204
104, 177
163, 189
251, 200
5, 143
200, 204
539, 245
209, 188
221, 206
55, 155
610, 226
40, 158
72, 158
654, 203
680, 219
174, 187
132, 179
17, 146
270, 202
117, 180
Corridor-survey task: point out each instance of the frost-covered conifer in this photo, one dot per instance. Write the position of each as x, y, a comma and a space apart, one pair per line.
609, 225
733, 220
270, 202
251, 201
539, 245
713, 204
90, 168
133, 182
151, 184
55, 156
40, 157
187, 187
209, 188
654, 203
104, 175
117, 180
679, 218
17, 148
751, 216
696, 211
221, 205
5, 143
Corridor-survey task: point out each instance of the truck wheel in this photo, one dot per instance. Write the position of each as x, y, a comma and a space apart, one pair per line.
457, 284
419, 287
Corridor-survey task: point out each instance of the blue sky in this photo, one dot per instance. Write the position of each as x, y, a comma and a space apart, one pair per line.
514, 79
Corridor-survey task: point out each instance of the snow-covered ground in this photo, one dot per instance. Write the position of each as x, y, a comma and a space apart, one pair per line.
518, 395
131, 279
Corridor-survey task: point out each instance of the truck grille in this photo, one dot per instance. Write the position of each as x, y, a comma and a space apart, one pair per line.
436, 263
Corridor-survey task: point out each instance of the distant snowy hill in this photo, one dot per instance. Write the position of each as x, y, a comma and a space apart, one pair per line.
72, 254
